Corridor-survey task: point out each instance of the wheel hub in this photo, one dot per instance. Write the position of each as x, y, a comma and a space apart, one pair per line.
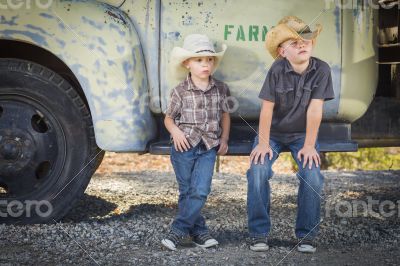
10, 150
16, 149
28, 146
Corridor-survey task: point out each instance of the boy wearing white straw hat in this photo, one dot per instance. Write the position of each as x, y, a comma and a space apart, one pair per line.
198, 120
293, 95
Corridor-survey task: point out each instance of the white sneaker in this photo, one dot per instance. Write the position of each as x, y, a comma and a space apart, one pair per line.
205, 240
259, 244
306, 246
171, 241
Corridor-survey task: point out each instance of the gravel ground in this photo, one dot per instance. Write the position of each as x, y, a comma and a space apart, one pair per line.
124, 213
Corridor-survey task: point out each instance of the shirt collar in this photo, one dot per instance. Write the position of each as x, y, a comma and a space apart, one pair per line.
311, 66
190, 85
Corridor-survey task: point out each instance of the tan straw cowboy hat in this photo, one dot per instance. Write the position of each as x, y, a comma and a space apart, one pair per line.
194, 45
290, 27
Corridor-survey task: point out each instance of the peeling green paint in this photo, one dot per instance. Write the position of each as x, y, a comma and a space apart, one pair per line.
87, 36
119, 51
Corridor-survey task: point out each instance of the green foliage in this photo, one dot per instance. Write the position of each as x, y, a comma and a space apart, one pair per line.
364, 159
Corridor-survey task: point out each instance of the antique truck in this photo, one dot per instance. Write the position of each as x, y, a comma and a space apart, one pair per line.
78, 78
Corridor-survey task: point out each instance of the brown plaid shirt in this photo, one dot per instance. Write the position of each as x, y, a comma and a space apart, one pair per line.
198, 113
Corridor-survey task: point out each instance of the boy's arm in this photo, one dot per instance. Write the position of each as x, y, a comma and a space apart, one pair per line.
225, 125
314, 117
264, 128
173, 111
180, 141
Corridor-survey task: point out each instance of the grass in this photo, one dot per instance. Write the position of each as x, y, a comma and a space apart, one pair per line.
364, 159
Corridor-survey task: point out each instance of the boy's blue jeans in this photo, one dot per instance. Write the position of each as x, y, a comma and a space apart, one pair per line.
194, 170
308, 197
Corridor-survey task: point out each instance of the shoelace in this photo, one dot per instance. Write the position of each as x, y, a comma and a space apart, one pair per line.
307, 242
204, 237
173, 237
258, 240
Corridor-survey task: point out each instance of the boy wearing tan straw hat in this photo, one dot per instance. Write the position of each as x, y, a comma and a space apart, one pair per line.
293, 94
197, 118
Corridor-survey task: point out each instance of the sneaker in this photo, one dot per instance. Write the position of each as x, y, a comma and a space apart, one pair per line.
205, 240
259, 244
171, 241
306, 246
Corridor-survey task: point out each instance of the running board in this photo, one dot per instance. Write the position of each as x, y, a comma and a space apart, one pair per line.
244, 147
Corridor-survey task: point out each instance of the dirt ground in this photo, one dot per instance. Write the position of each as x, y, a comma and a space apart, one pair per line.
132, 199
128, 162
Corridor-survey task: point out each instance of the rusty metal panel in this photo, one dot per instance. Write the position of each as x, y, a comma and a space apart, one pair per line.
100, 45
359, 69
242, 26
104, 47
116, 3
145, 15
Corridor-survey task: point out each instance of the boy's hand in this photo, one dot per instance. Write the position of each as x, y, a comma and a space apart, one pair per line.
180, 141
259, 152
309, 154
223, 147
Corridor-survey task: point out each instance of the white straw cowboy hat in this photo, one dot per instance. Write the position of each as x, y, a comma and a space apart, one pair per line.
290, 27
194, 45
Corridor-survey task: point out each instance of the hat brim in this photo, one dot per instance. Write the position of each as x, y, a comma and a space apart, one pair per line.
179, 55
281, 33
309, 35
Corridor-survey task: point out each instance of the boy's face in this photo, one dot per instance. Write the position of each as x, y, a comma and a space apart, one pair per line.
296, 51
200, 67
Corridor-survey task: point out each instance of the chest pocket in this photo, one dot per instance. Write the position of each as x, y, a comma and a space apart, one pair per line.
285, 97
214, 102
305, 98
190, 101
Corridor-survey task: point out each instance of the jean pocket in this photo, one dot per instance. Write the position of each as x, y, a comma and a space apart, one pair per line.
285, 97
305, 98
172, 148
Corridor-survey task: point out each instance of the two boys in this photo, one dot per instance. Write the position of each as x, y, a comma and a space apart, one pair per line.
293, 94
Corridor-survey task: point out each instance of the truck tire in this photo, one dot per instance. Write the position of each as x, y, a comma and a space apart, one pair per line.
48, 151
